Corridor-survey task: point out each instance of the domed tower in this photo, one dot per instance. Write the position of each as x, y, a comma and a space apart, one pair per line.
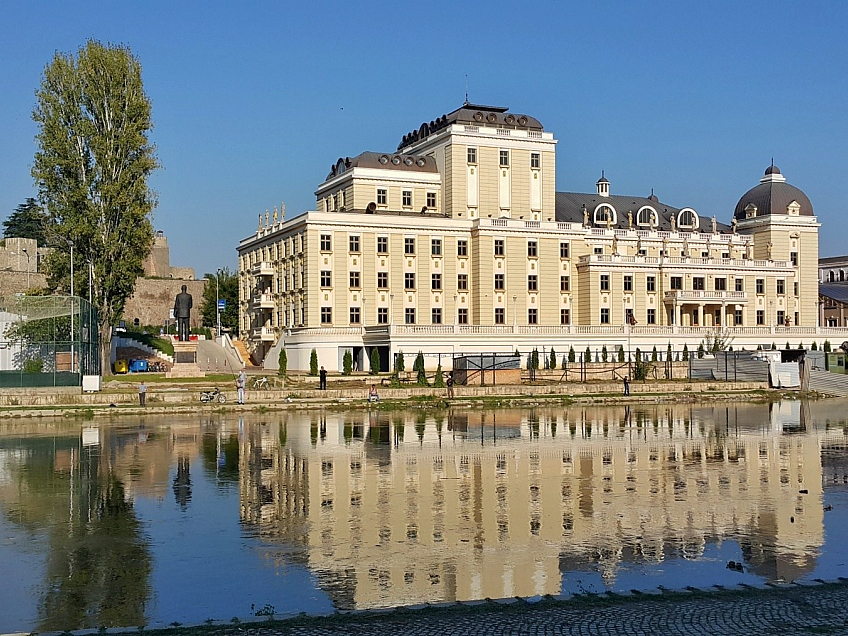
780, 218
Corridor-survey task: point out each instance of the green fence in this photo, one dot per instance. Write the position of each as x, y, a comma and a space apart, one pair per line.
47, 341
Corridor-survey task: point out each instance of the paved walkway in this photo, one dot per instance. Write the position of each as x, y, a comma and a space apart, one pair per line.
793, 609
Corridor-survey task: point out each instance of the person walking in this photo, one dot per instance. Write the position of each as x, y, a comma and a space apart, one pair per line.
322, 379
626, 385
449, 384
241, 381
142, 393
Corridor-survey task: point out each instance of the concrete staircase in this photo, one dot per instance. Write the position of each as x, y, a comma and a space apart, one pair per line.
244, 353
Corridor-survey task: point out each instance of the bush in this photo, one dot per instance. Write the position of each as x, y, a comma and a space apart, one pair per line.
283, 362
400, 365
572, 357
787, 345
439, 381
587, 357
685, 353
375, 361
700, 350
800, 345
552, 359
33, 365
814, 346
620, 353
604, 354
347, 363
827, 346
313, 363
419, 367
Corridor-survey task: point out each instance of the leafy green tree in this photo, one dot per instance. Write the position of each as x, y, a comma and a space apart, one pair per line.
685, 353
620, 353
91, 168
375, 361
313, 363
604, 353
227, 287
787, 345
33, 365
654, 354
535, 359
814, 346
701, 350
29, 220
826, 346
400, 365
347, 363
552, 359
773, 346
283, 363
439, 381
800, 345
418, 367
572, 357
587, 355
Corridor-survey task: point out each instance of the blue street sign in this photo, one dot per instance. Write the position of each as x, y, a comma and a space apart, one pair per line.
222, 304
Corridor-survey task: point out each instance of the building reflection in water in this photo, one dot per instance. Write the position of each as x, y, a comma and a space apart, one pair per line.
478, 504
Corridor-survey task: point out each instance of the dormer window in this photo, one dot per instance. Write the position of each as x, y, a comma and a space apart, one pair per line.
793, 209
750, 211
687, 218
646, 216
604, 215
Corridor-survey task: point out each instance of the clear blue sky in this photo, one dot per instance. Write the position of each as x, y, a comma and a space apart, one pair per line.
252, 102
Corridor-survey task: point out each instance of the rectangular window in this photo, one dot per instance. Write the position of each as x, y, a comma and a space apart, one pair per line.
436, 316
500, 283
698, 283
382, 196
761, 317
409, 245
500, 315
740, 284
462, 282
605, 316
431, 200
533, 316
383, 315
499, 247
326, 245
628, 283
532, 249
471, 155
795, 288
598, 250
354, 280
563, 250
326, 315
504, 158
532, 282
781, 286
781, 318
354, 315
382, 245
796, 318
720, 284
462, 248
761, 286
435, 281
535, 160
676, 282
409, 315
793, 256
652, 316
462, 316
565, 316
564, 283
436, 247
326, 278
737, 317
409, 280
407, 198
696, 315
629, 318
605, 282
651, 283
354, 244
382, 280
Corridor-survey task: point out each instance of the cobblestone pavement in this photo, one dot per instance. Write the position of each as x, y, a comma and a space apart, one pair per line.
793, 609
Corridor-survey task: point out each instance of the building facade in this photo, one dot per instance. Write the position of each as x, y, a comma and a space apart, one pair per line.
458, 242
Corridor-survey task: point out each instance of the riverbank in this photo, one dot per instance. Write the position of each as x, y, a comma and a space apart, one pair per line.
814, 608
184, 397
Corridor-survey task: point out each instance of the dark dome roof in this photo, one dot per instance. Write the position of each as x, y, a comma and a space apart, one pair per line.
773, 196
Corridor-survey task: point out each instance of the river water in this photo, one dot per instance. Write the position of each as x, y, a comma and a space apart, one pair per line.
160, 520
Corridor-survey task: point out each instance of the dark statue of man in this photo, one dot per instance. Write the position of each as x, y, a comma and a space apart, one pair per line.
182, 312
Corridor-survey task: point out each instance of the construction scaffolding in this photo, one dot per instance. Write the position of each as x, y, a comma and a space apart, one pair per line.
47, 341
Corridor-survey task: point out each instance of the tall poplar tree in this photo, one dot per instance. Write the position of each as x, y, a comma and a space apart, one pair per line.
91, 169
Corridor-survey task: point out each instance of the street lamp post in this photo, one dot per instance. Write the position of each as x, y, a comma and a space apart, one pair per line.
217, 302
27, 254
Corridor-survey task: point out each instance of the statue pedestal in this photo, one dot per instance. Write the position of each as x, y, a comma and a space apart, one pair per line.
185, 361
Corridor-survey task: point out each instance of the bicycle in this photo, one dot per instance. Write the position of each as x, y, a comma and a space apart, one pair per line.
260, 384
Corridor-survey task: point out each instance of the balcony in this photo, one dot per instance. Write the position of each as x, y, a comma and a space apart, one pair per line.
263, 334
700, 296
263, 269
263, 301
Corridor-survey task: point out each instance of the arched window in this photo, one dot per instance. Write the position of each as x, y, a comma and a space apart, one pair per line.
841, 275
645, 215
831, 276
687, 218
604, 214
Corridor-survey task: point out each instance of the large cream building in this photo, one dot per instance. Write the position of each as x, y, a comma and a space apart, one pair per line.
458, 242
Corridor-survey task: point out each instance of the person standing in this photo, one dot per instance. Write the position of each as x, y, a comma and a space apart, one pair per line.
449, 384
142, 393
322, 379
626, 385
241, 381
